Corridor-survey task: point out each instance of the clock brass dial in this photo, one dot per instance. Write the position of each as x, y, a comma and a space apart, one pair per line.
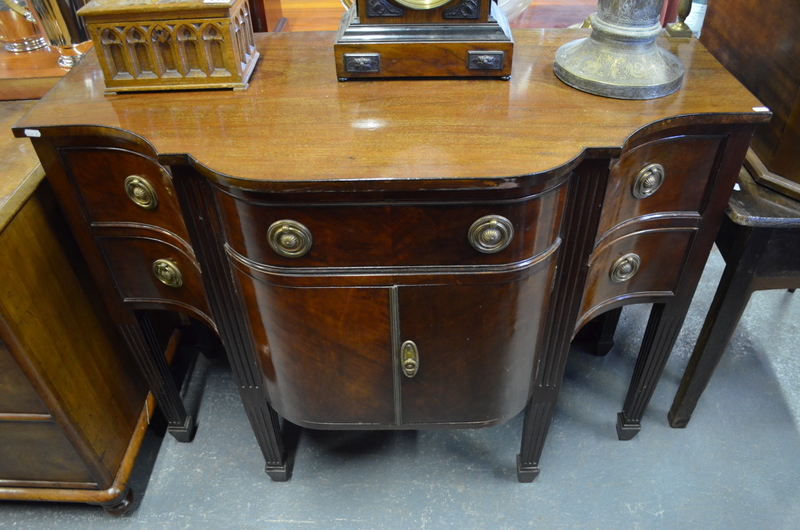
422, 4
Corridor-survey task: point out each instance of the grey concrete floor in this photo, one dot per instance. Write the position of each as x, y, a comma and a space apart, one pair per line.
735, 466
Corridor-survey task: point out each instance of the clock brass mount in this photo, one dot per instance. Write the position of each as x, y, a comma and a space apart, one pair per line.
423, 38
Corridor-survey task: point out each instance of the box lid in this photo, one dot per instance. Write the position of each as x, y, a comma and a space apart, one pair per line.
161, 8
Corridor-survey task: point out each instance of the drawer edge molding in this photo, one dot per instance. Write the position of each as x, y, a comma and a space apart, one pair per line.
105, 229
642, 231
160, 303
272, 270
656, 221
40, 485
507, 186
21, 416
404, 426
639, 297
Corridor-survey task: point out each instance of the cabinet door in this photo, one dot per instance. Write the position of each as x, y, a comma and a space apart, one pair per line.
325, 353
476, 344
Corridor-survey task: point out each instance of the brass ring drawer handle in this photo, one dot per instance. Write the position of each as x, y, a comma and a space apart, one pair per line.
625, 268
141, 192
289, 238
491, 234
648, 181
409, 358
168, 273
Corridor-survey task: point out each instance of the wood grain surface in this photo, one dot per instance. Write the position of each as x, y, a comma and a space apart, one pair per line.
298, 123
19, 175
761, 47
53, 323
28, 75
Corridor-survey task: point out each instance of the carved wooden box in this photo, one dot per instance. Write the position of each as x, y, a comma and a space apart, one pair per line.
172, 44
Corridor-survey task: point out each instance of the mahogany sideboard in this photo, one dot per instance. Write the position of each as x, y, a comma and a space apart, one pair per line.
73, 406
397, 254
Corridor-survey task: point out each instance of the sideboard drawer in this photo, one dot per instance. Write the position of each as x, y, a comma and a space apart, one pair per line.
396, 234
16, 394
149, 270
40, 452
644, 263
121, 186
669, 175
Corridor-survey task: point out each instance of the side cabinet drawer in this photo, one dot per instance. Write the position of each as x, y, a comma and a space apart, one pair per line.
119, 186
643, 263
16, 393
669, 175
151, 270
38, 451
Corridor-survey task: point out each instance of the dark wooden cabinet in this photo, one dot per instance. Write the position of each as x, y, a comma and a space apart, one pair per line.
381, 272
399, 255
73, 406
760, 46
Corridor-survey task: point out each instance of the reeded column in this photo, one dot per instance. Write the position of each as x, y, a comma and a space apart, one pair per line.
621, 59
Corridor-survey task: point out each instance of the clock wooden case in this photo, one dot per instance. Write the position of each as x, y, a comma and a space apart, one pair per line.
423, 38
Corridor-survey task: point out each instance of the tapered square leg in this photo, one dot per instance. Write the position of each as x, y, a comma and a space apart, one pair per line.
662, 331
730, 300
183, 433
626, 430
538, 416
143, 342
526, 473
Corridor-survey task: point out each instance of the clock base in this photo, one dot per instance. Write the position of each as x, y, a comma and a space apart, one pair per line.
364, 51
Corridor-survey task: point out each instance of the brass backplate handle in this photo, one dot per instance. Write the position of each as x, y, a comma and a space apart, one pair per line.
648, 180
625, 268
168, 273
409, 358
490, 234
289, 238
141, 192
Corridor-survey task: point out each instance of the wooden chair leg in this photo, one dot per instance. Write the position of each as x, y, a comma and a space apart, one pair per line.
730, 300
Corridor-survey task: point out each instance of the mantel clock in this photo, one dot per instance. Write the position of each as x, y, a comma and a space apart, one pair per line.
423, 38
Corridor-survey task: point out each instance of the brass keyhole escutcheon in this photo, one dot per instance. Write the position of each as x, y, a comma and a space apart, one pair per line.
490, 234
648, 180
409, 358
141, 192
168, 273
625, 268
289, 238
